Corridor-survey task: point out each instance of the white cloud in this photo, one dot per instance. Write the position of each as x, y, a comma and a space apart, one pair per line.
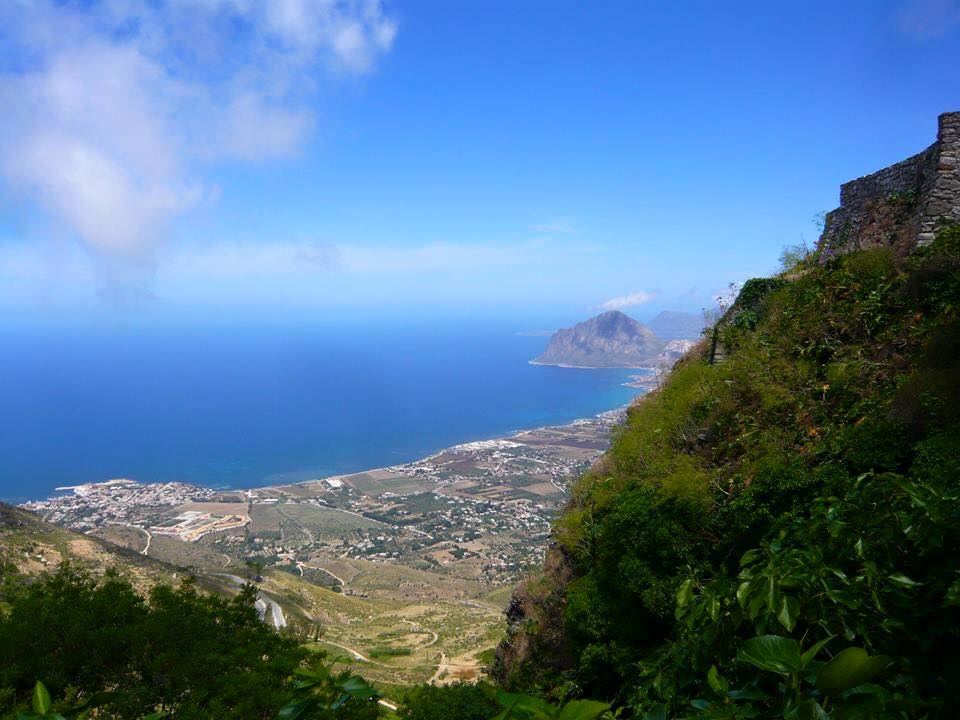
253, 129
112, 109
624, 301
557, 226
352, 34
279, 261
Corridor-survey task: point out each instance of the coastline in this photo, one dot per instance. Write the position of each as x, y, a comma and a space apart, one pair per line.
482, 509
593, 367
613, 416
647, 382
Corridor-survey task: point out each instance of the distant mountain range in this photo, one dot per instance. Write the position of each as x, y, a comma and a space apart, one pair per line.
608, 340
674, 325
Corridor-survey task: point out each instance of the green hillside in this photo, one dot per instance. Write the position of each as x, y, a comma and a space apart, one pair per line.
29, 546
801, 485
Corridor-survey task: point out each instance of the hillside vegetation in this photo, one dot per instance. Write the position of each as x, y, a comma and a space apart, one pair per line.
404, 627
29, 546
774, 534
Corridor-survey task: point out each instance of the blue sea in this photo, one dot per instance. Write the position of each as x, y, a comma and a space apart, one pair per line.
231, 408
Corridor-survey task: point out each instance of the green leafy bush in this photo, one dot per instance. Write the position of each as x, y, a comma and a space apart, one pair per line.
389, 651
525, 707
441, 702
320, 693
100, 647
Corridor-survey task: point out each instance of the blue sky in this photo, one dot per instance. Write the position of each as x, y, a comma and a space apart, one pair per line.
232, 159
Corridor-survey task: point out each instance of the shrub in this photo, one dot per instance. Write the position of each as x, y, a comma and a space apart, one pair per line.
445, 702
179, 650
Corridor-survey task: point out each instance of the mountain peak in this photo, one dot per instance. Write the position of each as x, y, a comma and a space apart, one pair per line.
611, 339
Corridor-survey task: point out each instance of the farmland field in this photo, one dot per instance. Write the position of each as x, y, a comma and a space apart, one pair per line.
325, 521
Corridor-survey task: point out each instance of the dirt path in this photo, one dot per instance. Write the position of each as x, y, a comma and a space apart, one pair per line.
417, 627
357, 655
441, 668
302, 565
146, 548
445, 666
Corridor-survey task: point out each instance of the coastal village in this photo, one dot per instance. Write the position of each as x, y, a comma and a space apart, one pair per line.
480, 510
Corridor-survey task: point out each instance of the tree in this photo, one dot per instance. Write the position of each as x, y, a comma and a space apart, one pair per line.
440, 702
179, 652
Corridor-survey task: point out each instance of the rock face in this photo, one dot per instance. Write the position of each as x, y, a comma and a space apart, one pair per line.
902, 205
608, 340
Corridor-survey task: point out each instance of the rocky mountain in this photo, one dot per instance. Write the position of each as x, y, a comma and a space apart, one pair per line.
675, 325
611, 339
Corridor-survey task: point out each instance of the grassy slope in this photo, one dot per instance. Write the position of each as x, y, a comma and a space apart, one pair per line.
31, 546
840, 371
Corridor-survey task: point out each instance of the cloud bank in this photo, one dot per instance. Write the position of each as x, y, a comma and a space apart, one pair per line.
113, 110
276, 262
625, 301
224, 276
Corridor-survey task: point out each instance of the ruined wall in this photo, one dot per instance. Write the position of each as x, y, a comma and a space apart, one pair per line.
902, 205
942, 203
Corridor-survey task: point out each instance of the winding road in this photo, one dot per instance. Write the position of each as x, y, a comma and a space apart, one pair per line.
357, 655
302, 565
146, 532
263, 603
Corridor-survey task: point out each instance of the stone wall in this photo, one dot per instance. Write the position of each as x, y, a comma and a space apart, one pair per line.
942, 203
902, 205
